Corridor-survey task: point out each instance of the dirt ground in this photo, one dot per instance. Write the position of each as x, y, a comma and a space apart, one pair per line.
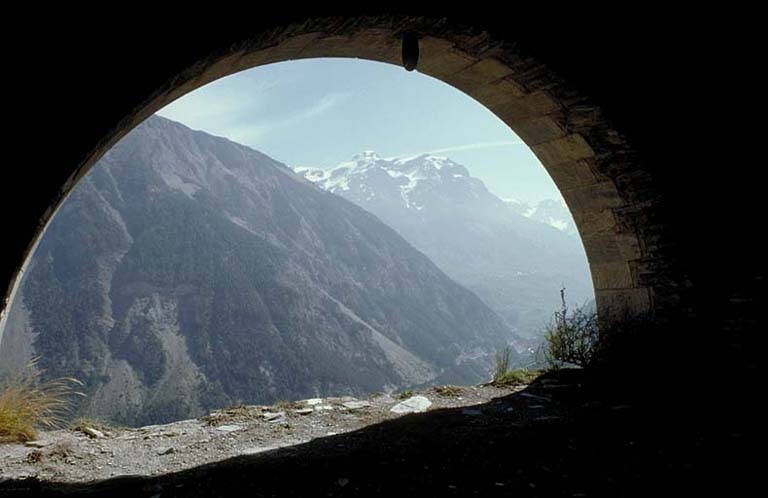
76, 457
555, 437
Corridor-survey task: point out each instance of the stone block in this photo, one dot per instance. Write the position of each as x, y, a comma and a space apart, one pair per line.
622, 302
573, 174
592, 198
612, 275
538, 130
497, 92
592, 222
561, 150
478, 74
441, 59
528, 106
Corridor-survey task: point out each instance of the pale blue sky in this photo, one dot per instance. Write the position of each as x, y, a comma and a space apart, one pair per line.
320, 112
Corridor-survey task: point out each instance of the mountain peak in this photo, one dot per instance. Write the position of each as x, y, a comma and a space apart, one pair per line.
364, 157
366, 154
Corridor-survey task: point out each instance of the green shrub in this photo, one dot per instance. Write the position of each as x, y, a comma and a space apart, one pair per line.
572, 338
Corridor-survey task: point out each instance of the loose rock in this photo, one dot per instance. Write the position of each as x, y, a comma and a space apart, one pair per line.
415, 404
230, 428
35, 444
92, 433
269, 416
356, 405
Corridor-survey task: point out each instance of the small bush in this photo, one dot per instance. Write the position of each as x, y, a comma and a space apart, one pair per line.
504, 376
572, 338
447, 391
26, 404
517, 377
501, 366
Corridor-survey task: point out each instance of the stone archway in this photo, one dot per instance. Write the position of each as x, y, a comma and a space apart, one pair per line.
597, 171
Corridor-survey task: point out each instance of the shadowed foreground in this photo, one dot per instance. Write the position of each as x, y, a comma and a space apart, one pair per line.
569, 444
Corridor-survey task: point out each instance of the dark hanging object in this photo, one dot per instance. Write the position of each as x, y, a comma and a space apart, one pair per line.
410, 51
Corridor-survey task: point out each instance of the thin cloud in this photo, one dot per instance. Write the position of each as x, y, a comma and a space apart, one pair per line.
318, 108
464, 147
476, 146
222, 104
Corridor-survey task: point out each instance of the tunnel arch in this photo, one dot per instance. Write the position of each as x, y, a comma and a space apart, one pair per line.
597, 171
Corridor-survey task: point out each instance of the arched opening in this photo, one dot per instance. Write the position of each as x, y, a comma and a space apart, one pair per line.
132, 289
590, 162
631, 217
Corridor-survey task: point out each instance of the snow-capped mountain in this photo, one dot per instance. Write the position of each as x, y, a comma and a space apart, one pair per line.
514, 257
407, 183
553, 212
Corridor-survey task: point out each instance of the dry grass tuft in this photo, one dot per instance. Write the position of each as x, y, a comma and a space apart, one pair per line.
448, 391
501, 367
27, 403
503, 375
516, 377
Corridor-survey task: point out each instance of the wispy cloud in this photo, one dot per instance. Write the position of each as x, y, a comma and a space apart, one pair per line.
319, 107
223, 104
476, 146
465, 147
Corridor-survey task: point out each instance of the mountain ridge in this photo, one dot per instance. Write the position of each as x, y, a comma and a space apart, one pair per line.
188, 272
514, 256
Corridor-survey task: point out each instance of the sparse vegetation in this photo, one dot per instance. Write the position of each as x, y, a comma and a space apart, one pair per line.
517, 377
572, 338
81, 423
27, 403
503, 375
448, 391
502, 363
405, 394
288, 405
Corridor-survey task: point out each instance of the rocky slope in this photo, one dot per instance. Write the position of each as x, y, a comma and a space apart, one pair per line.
187, 272
508, 253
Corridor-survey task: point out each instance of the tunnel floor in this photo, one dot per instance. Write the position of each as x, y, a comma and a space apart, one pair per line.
574, 440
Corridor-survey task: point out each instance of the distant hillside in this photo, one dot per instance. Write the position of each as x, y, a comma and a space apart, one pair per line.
508, 253
552, 212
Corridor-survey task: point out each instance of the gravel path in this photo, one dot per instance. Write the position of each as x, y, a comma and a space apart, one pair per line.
94, 454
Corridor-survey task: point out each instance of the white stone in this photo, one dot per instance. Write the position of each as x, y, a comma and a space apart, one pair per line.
230, 428
36, 444
273, 415
91, 432
355, 405
314, 401
259, 449
415, 404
